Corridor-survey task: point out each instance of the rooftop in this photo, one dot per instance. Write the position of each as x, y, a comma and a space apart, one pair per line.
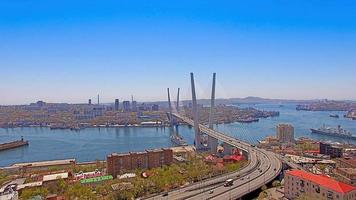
348, 170
349, 161
53, 177
46, 163
323, 181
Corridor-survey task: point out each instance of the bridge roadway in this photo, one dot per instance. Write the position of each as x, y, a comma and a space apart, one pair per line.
263, 167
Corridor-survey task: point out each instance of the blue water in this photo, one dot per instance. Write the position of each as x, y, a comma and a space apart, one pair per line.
301, 120
85, 145
94, 143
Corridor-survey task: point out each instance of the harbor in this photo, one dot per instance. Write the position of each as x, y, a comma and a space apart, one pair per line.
95, 143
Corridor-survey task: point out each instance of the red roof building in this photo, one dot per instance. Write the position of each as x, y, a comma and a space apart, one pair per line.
299, 182
312, 151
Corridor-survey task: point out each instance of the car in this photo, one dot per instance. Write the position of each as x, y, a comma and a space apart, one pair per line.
165, 194
260, 170
228, 182
211, 191
242, 178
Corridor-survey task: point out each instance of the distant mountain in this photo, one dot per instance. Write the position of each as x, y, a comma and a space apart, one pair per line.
251, 99
246, 100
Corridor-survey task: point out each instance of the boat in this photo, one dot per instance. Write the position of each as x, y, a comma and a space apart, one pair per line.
334, 116
248, 120
336, 132
178, 140
14, 144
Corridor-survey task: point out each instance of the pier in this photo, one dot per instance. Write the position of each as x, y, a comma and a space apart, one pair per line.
14, 144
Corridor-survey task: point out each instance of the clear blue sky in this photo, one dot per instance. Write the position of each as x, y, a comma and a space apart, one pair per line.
61, 51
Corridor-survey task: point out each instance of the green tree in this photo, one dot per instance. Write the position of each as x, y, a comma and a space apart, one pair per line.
78, 191
62, 186
264, 187
3, 177
262, 195
276, 183
31, 192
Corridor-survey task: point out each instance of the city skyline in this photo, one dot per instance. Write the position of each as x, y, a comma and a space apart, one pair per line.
70, 52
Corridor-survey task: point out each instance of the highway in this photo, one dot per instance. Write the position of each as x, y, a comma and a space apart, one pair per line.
263, 167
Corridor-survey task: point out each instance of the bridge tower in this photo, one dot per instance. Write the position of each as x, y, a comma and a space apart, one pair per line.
198, 139
178, 101
212, 142
170, 108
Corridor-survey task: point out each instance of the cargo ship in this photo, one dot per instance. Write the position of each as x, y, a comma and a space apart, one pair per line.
14, 144
336, 132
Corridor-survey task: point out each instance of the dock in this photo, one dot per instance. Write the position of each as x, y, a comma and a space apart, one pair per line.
14, 144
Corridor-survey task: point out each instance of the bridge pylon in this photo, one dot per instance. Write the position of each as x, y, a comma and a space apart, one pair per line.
212, 142
170, 117
198, 142
177, 105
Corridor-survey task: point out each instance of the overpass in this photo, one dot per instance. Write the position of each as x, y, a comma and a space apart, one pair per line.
262, 168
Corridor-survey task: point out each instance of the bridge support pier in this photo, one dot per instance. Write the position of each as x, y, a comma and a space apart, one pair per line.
228, 149
212, 144
245, 154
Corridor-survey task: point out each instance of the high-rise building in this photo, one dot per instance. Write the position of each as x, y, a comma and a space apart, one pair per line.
89, 101
134, 106
285, 133
126, 106
116, 104
155, 107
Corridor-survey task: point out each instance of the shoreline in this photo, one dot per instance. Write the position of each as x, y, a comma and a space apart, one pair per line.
248, 121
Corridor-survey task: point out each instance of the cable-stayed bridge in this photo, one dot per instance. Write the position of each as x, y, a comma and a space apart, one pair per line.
263, 166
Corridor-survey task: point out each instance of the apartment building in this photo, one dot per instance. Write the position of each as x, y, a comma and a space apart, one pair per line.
300, 183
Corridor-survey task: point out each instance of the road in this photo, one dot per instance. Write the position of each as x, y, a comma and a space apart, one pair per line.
263, 167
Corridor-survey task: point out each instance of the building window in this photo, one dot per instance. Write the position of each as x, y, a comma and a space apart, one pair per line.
330, 195
317, 190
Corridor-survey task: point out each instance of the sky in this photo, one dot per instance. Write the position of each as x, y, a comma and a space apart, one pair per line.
70, 51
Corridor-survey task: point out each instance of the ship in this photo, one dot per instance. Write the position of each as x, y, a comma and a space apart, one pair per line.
334, 116
248, 120
14, 144
178, 140
336, 132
